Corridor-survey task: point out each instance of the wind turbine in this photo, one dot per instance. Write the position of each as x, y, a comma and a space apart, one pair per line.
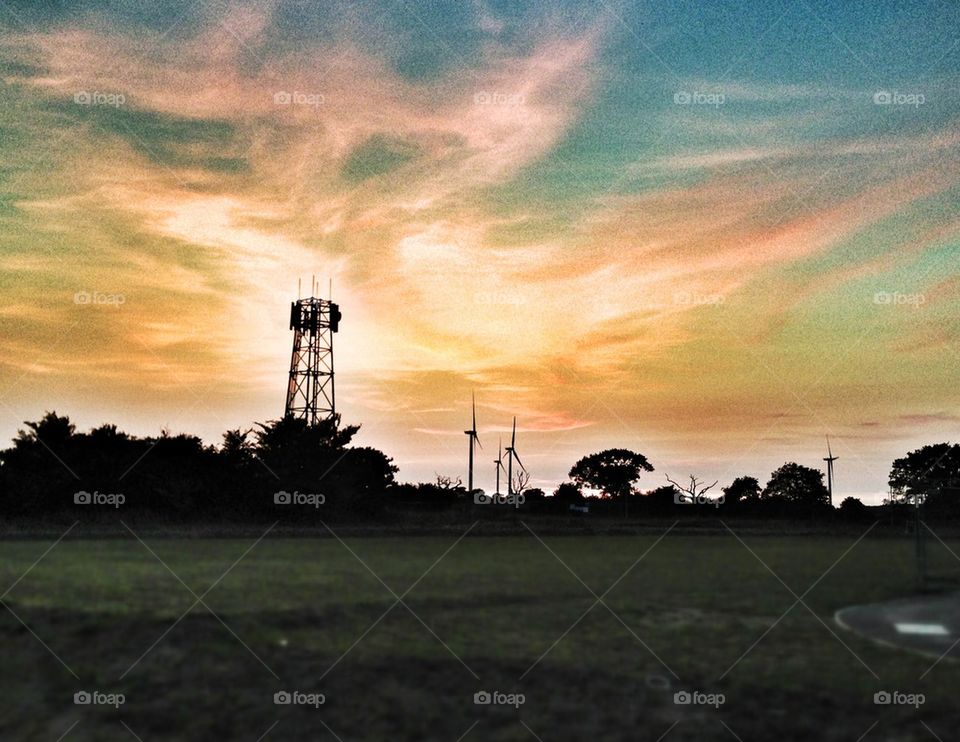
830, 459
474, 439
499, 462
511, 456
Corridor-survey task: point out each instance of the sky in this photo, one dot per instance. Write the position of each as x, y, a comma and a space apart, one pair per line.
713, 233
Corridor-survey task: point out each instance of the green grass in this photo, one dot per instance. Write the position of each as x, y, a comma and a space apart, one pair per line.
697, 601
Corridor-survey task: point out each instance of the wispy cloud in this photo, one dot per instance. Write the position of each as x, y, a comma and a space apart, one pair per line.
528, 215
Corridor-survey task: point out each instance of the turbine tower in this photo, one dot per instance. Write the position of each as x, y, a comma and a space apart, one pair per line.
830, 459
511, 457
474, 439
310, 391
499, 464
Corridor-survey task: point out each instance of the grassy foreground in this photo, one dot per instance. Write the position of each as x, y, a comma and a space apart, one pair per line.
307, 615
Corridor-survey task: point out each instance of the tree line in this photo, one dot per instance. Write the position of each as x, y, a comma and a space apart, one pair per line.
928, 476
284, 468
289, 470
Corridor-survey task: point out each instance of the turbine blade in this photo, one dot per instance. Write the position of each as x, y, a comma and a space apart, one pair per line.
473, 404
518, 460
829, 452
477, 437
513, 436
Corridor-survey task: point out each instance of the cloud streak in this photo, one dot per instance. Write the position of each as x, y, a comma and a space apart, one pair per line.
502, 219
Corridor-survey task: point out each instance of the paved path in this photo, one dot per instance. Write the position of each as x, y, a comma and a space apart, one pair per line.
929, 624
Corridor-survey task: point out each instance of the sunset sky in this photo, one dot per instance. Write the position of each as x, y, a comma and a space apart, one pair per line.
711, 232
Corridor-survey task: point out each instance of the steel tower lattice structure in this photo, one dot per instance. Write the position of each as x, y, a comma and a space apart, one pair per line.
310, 390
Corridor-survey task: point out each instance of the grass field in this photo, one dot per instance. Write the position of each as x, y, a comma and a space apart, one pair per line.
497, 613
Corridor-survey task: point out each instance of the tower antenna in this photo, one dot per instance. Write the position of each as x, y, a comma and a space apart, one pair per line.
310, 386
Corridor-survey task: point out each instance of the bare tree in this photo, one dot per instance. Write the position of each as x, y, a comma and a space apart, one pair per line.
448, 483
695, 491
521, 481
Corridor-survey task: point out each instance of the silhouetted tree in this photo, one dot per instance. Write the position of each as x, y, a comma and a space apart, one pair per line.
661, 500
853, 509
290, 445
41, 471
237, 449
424, 495
105, 455
534, 495
613, 472
449, 484
798, 486
932, 473
694, 491
742, 490
568, 493
362, 477
175, 477
520, 482
565, 495
241, 476
316, 460
178, 476
51, 430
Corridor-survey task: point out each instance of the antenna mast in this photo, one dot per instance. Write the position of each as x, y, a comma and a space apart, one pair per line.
310, 387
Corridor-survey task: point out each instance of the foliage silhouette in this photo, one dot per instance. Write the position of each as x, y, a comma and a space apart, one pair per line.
932, 473
797, 487
742, 490
177, 477
285, 469
613, 472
